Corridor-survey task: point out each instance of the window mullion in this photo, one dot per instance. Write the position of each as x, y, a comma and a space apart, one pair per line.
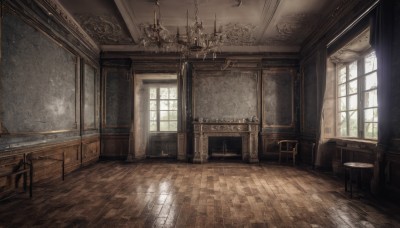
347, 100
158, 109
360, 108
362, 98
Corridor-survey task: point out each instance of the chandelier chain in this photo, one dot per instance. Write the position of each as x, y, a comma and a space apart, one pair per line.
196, 10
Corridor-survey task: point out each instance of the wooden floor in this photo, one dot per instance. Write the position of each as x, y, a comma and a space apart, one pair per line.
169, 194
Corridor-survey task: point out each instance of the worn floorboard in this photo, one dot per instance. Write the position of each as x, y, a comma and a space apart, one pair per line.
218, 194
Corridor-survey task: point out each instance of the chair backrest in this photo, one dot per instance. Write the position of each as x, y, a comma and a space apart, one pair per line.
288, 146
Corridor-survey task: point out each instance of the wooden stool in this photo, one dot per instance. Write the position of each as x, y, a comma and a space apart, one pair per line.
360, 166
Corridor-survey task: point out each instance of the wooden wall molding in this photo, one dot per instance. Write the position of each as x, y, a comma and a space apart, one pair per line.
90, 149
76, 153
275, 72
51, 18
114, 145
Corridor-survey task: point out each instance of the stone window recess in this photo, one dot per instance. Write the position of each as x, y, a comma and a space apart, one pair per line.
357, 100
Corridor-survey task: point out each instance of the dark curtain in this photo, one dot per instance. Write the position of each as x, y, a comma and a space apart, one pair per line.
322, 158
381, 35
381, 40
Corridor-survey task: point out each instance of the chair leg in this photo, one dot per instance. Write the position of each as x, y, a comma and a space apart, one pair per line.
280, 158
294, 159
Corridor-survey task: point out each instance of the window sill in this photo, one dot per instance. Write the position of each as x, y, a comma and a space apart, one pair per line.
366, 141
354, 143
162, 132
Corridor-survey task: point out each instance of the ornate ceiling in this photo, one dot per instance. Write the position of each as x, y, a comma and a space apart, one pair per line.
248, 25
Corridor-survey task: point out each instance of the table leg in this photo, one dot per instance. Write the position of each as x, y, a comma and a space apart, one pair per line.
345, 179
25, 180
351, 184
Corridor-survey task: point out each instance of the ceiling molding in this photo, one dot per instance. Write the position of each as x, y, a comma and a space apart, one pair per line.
293, 29
129, 19
247, 26
239, 34
269, 10
69, 20
104, 28
238, 49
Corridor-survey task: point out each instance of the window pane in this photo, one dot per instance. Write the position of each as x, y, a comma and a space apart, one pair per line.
342, 104
153, 93
371, 130
342, 75
353, 102
164, 126
163, 93
172, 93
153, 105
164, 105
371, 115
173, 105
371, 81
173, 126
163, 109
173, 115
163, 115
353, 70
370, 62
153, 125
343, 124
342, 90
153, 115
353, 124
371, 99
353, 87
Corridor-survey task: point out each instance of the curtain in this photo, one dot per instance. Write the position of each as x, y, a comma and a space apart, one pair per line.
381, 33
381, 26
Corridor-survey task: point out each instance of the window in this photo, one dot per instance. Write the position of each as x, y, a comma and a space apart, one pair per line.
163, 108
357, 100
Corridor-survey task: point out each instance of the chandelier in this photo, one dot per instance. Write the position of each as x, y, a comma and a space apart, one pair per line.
195, 42
156, 35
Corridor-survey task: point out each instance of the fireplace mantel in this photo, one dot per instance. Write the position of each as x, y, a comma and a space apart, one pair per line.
248, 131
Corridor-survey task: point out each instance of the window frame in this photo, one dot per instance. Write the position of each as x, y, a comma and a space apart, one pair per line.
361, 91
158, 108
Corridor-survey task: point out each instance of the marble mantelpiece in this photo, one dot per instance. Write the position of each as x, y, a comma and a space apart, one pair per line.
247, 131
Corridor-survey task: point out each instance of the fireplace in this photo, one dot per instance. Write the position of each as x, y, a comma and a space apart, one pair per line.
225, 146
242, 137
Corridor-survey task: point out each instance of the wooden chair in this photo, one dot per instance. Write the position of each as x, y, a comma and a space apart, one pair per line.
12, 173
288, 147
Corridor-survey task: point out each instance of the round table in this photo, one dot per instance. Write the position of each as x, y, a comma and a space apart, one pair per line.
359, 166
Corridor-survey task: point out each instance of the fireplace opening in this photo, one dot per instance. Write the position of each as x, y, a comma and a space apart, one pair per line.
225, 146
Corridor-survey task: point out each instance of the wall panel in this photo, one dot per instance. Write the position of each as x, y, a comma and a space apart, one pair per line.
89, 95
278, 97
39, 81
309, 96
117, 99
114, 145
90, 149
225, 94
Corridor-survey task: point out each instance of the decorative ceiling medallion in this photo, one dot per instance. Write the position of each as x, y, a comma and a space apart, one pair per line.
239, 34
293, 29
105, 29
